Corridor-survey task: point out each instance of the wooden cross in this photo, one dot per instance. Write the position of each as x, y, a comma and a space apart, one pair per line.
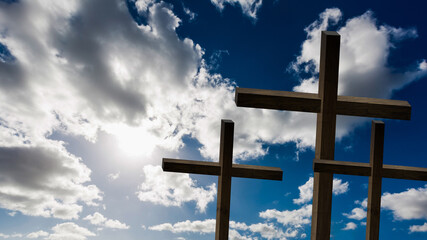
376, 171
225, 169
327, 105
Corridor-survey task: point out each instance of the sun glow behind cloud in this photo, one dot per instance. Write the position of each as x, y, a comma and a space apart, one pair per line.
134, 141
148, 88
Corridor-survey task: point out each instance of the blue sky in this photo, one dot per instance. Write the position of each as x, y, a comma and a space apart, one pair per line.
95, 93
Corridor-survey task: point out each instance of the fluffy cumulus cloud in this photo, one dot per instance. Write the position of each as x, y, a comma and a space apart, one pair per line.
410, 204
44, 181
364, 69
69, 231
407, 205
99, 220
238, 231
249, 7
292, 221
350, 226
98, 70
15, 235
206, 226
306, 190
38, 234
356, 213
418, 228
63, 231
293, 218
173, 189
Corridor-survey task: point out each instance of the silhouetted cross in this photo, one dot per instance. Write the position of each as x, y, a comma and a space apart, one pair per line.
225, 169
327, 105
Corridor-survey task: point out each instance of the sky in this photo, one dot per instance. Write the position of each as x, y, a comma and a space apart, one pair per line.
94, 93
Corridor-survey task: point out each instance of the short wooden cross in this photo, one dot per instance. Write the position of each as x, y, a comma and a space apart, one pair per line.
376, 171
327, 105
225, 169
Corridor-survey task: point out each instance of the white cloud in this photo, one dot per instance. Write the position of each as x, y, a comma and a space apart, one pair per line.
115, 224
143, 5
306, 190
338, 187
418, 228
44, 181
191, 15
12, 214
295, 218
173, 189
364, 69
410, 204
350, 226
38, 234
356, 213
266, 230
113, 176
249, 7
407, 205
15, 235
206, 226
99, 220
83, 85
69, 231
269, 231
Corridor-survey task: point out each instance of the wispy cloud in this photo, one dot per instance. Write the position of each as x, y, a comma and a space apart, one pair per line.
99, 220
249, 7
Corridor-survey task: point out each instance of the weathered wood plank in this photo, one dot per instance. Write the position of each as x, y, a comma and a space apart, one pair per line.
278, 100
224, 180
373, 107
375, 181
309, 102
363, 169
325, 134
258, 172
404, 172
190, 166
341, 167
213, 168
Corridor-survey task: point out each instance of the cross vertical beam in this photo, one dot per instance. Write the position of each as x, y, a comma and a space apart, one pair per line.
225, 169
224, 180
325, 134
376, 171
374, 190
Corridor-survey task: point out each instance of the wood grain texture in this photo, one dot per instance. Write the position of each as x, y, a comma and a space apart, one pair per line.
375, 181
225, 169
258, 172
277, 100
224, 180
213, 168
325, 134
373, 107
341, 167
309, 102
190, 166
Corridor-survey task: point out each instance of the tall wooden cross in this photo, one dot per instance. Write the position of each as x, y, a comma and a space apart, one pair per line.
225, 169
327, 105
376, 171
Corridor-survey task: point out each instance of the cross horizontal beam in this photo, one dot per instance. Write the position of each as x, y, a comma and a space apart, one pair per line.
213, 168
309, 102
364, 169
